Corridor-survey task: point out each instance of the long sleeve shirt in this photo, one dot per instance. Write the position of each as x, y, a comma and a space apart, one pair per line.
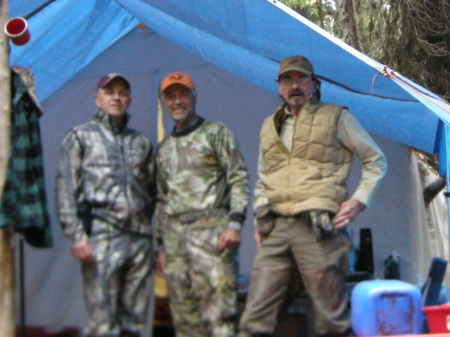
105, 172
201, 169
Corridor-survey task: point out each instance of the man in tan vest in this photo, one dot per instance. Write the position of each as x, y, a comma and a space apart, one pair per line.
301, 203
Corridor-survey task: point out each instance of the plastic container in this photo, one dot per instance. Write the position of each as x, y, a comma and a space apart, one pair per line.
386, 307
444, 295
438, 318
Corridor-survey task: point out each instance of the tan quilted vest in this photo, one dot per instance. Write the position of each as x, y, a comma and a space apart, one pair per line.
313, 174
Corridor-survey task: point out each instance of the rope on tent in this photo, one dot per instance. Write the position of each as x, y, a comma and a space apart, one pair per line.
391, 74
346, 87
37, 10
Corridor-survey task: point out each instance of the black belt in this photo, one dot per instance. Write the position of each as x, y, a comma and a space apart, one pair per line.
191, 217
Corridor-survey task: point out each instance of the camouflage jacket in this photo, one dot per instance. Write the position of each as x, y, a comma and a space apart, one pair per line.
105, 172
201, 169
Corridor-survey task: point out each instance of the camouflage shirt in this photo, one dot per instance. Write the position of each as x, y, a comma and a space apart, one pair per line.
105, 172
201, 169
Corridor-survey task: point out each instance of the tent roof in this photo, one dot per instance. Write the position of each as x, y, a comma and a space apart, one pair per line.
246, 38
24, 7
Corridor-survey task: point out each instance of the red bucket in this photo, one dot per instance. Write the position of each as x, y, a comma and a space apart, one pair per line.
438, 318
17, 30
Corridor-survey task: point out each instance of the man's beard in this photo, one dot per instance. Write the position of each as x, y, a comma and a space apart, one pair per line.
180, 117
297, 93
183, 115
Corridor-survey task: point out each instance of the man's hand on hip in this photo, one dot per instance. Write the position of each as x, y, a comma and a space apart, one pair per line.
257, 236
348, 211
231, 238
160, 264
82, 251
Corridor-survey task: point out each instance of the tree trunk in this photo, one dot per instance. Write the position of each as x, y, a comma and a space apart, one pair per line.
348, 22
7, 292
320, 13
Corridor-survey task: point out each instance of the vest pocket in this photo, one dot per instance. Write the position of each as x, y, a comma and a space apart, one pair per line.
273, 159
328, 170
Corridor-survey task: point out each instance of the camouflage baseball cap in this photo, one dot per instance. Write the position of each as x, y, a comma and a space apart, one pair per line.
297, 63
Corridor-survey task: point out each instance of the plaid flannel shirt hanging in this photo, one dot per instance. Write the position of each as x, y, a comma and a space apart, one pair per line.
24, 204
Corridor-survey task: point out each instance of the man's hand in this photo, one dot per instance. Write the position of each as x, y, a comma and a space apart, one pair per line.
160, 263
257, 236
231, 238
348, 211
82, 251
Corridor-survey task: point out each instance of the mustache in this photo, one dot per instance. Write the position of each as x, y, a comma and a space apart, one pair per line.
296, 93
179, 106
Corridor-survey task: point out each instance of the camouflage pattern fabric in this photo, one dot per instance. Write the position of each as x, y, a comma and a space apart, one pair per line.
202, 170
202, 187
107, 173
105, 194
201, 278
115, 286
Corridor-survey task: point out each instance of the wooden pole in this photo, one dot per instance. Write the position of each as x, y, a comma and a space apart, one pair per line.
5, 97
7, 285
7, 289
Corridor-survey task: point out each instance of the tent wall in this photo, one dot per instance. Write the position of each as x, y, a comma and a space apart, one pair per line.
432, 231
53, 288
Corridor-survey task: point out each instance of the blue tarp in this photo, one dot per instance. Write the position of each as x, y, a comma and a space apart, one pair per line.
246, 38
66, 36
24, 7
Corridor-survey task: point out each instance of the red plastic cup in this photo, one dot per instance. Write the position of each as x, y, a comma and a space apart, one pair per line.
17, 30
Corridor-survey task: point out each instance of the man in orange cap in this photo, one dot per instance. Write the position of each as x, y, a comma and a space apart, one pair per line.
202, 198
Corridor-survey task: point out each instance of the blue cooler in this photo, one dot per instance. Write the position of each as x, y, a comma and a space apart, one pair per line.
386, 307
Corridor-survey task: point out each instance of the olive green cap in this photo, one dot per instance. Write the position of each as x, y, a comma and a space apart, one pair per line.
297, 63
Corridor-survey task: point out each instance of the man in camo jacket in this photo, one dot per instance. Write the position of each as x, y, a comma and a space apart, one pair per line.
105, 196
202, 198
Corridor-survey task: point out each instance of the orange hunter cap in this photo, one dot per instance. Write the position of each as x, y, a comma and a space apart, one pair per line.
177, 78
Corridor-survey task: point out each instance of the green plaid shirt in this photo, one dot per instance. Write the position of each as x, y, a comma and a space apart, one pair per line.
24, 204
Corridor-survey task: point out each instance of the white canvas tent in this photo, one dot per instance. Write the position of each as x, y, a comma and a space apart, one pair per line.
77, 42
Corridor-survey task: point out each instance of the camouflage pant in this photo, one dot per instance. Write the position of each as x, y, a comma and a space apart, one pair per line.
115, 286
201, 279
322, 265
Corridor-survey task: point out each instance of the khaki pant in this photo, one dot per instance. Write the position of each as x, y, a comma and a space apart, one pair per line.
322, 266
